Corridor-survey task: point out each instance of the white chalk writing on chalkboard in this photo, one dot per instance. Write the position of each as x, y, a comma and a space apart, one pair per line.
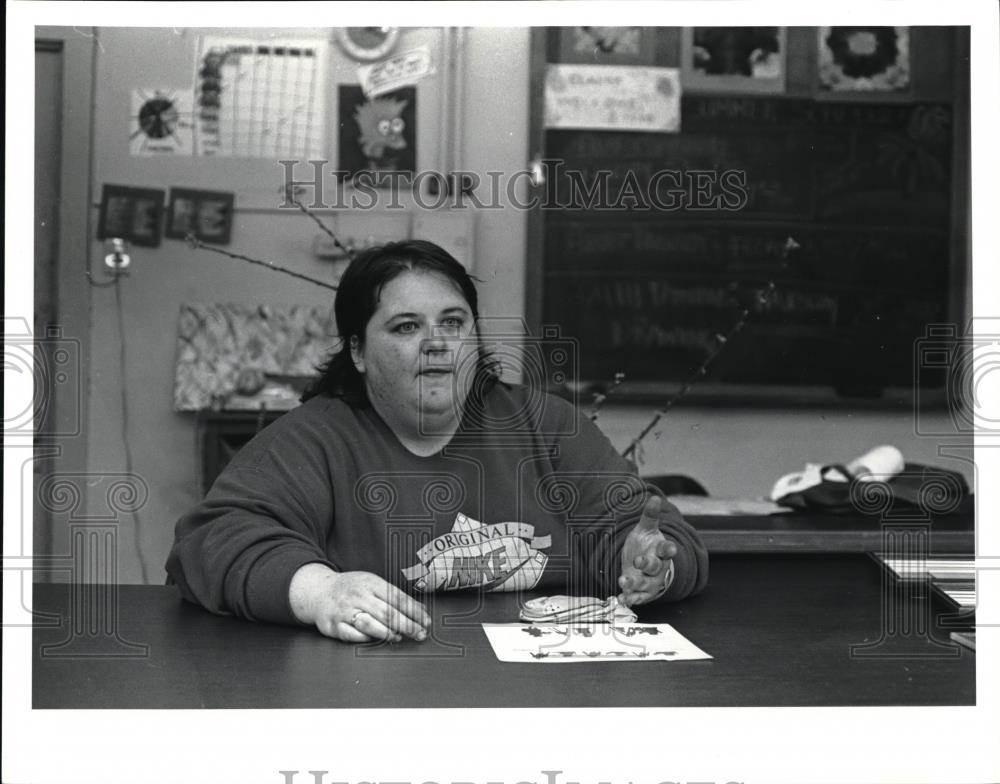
864, 188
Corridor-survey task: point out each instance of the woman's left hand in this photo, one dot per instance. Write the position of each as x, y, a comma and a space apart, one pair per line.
646, 558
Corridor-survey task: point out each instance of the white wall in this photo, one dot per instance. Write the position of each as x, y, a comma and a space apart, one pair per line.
733, 451
741, 452
163, 442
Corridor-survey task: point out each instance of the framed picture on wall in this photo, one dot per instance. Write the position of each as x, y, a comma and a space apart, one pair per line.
864, 59
208, 215
733, 59
607, 45
377, 135
133, 214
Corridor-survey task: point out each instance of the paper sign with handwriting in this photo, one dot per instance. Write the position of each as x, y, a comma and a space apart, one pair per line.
613, 97
549, 643
395, 72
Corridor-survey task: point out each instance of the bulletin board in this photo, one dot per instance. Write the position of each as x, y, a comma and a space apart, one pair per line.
866, 187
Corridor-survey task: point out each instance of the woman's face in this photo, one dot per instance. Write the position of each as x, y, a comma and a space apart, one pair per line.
419, 352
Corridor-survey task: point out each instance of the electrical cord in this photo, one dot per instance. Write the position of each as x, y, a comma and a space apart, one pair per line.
144, 569
97, 284
89, 255
721, 341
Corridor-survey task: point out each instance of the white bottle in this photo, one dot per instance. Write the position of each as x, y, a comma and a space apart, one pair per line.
878, 464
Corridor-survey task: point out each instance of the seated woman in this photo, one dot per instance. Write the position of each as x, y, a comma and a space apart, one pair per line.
411, 467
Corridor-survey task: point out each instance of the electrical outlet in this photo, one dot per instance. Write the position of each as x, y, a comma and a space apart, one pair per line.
117, 258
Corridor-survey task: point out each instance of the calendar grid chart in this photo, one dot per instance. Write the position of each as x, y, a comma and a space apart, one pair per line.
260, 100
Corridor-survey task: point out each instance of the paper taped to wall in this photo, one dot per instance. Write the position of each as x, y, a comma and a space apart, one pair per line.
260, 99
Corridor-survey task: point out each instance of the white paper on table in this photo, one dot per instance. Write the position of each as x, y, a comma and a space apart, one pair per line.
541, 642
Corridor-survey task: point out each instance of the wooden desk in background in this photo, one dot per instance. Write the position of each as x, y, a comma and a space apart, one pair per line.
780, 628
809, 532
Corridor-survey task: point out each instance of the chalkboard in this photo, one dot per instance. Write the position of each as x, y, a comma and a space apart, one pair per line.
654, 243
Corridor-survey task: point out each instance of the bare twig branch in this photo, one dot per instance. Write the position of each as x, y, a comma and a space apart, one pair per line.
197, 244
600, 397
721, 341
347, 251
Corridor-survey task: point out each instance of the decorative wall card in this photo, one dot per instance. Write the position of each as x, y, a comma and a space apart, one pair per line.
733, 59
548, 643
607, 45
622, 40
871, 59
377, 135
208, 215
612, 97
398, 71
133, 214
258, 99
162, 122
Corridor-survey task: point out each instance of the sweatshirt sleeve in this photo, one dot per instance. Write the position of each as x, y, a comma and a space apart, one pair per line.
266, 515
611, 496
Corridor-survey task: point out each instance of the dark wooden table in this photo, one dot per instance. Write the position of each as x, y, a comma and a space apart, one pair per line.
781, 630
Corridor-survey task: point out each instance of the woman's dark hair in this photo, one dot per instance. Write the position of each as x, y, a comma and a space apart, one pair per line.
357, 300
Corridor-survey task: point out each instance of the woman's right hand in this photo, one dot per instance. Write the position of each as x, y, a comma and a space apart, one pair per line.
355, 606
